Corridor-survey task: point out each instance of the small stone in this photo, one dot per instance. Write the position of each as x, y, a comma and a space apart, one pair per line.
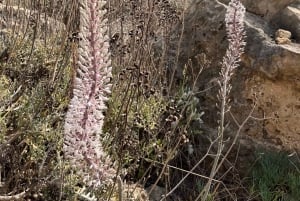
157, 192
282, 41
283, 36
283, 33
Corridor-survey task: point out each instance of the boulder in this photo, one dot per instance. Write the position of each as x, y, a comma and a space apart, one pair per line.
269, 74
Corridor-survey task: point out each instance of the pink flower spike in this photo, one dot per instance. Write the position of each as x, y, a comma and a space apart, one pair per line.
84, 119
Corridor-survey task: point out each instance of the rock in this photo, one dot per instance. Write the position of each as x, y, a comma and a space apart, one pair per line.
135, 192
266, 9
281, 41
204, 31
132, 192
276, 66
157, 192
289, 18
283, 36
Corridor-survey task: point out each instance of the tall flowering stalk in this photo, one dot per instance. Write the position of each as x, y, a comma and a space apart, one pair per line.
234, 21
84, 119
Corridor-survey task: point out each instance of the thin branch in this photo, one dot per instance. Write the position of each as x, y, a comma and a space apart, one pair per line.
12, 197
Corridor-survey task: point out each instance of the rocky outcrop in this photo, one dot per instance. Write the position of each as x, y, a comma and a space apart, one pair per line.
268, 76
266, 9
289, 18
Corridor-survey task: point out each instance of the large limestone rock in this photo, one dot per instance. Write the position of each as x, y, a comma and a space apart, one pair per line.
289, 18
268, 76
264, 8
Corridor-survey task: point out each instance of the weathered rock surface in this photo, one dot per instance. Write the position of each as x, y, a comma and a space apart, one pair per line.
289, 18
269, 74
264, 8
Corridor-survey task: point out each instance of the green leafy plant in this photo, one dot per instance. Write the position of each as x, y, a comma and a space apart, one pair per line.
276, 177
32, 108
